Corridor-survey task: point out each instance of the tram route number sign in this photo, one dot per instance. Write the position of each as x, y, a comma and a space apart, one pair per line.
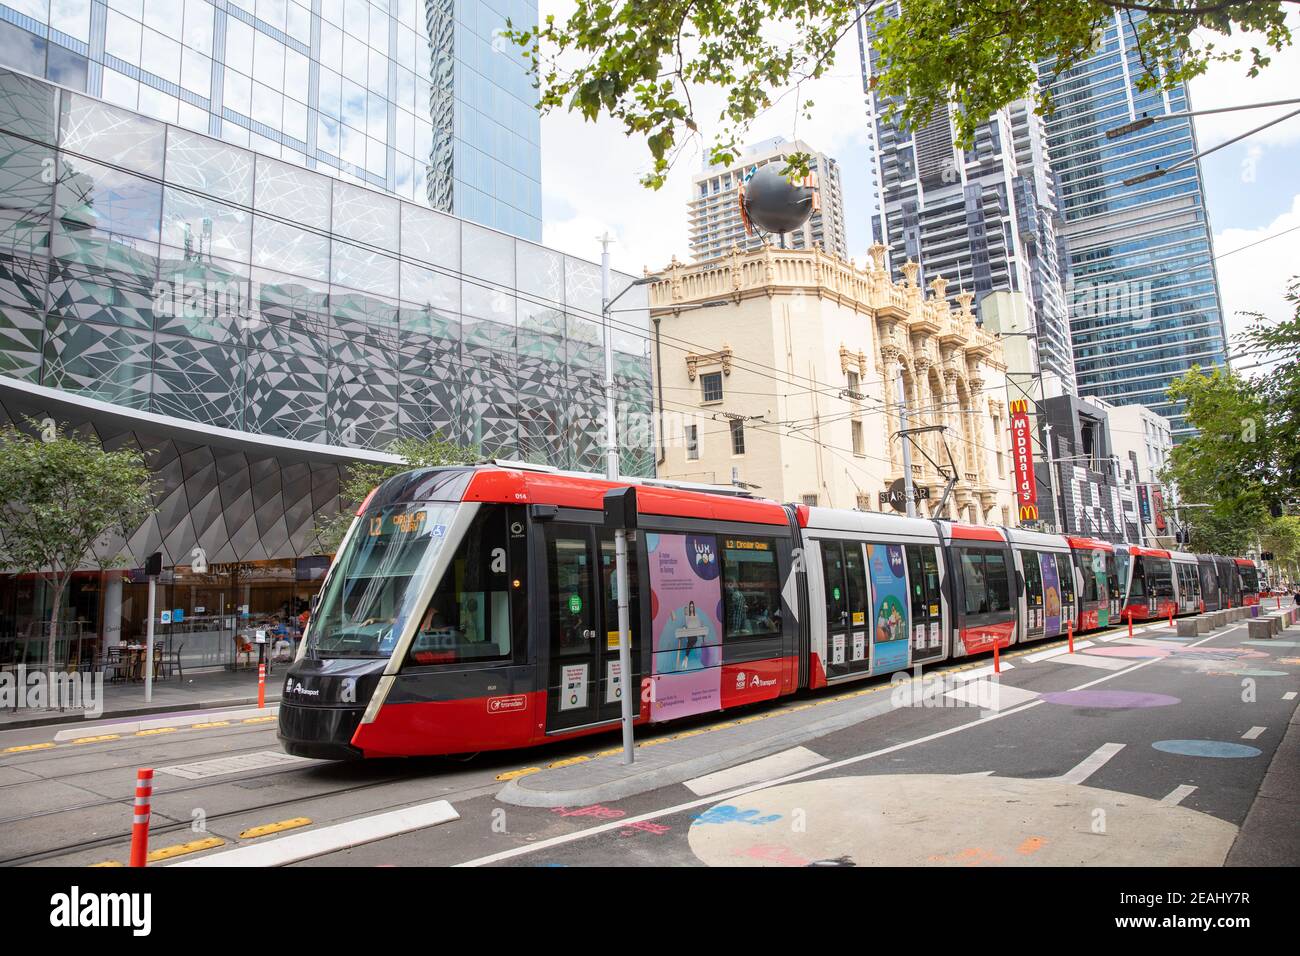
575, 604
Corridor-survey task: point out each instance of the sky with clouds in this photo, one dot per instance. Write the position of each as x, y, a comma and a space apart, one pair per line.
590, 174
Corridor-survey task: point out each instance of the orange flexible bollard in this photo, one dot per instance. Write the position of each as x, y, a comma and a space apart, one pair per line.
1171, 615
997, 664
140, 817
1070, 629
1129, 613
261, 685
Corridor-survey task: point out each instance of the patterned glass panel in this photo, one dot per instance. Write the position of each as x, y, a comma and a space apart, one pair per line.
292, 315
199, 381
286, 248
209, 166
362, 269
362, 405
28, 107
101, 198
26, 196
285, 396
365, 216
99, 361
582, 287
206, 299
20, 344
203, 227
487, 254
541, 272
430, 237
117, 136
293, 194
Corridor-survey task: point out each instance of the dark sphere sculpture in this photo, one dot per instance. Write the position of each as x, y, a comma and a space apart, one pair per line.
773, 204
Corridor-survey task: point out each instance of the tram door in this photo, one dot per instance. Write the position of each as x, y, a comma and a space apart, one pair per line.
845, 580
583, 681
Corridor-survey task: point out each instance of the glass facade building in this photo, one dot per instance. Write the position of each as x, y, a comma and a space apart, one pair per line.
148, 266
252, 327
419, 98
1142, 289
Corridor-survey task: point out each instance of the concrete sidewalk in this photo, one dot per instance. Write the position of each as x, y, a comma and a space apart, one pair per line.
1269, 835
191, 693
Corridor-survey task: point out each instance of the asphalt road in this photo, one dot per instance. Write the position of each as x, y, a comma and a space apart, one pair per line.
1148, 753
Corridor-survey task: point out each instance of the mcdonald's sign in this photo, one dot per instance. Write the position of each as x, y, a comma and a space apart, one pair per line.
1022, 454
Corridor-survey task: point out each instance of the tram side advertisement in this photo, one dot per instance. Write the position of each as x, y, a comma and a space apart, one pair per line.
889, 642
686, 619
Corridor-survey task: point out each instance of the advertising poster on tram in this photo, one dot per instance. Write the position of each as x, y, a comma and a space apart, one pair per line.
1051, 595
890, 627
686, 617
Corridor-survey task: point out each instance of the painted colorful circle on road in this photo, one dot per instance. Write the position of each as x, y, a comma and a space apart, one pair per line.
1206, 748
1109, 699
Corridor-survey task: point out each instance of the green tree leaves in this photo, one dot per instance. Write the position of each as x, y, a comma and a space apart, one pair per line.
60, 498
638, 63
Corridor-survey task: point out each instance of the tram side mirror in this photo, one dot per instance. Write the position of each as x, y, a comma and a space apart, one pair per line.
620, 508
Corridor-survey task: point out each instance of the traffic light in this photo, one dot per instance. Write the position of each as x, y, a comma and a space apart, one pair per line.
1266, 556
153, 564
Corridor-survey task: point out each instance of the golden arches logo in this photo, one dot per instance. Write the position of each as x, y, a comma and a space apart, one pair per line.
1019, 405
1029, 512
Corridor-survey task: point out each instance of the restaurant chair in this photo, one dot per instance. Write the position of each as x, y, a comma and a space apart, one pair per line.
172, 662
113, 666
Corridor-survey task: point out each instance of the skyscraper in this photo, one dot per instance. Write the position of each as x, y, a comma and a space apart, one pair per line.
423, 100
982, 218
1143, 293
716, 225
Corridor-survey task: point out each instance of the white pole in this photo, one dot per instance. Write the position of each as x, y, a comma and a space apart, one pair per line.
907, 446
626, 688
148, 641
1058, 507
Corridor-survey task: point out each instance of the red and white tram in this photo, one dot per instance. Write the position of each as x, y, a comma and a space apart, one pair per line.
473, 608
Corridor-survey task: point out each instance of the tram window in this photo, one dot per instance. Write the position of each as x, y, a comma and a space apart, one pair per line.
833, 576
1138, 589
1084, 564
916, 574
855, 572
751, 587
1162, 581
987, 585
1033, 579
609, 585
972, 572
468, 618
995, 573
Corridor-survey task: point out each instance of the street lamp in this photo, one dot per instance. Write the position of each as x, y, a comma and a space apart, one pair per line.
611, 473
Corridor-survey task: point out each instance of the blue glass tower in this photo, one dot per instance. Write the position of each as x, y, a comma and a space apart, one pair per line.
1142, 289
418, 98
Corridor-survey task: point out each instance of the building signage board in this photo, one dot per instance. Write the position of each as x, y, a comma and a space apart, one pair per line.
1022, 455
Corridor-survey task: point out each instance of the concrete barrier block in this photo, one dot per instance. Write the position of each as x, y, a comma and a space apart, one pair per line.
1260, 630
1202, 623
1187, 627
1276, 623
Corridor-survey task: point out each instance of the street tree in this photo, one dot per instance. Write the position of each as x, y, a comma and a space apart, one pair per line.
1225, 465
362, 477
645, 64
1277, 344
63, 500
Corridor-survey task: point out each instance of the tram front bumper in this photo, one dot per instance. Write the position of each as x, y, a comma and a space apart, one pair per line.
322, 704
